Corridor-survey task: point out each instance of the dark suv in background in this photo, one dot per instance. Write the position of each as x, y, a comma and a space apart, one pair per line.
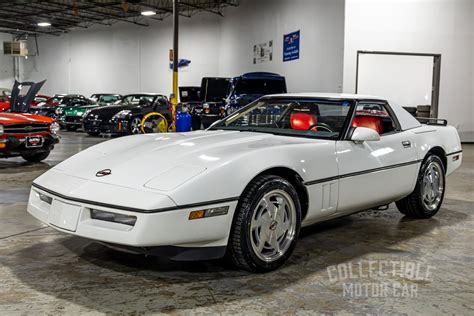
222, 96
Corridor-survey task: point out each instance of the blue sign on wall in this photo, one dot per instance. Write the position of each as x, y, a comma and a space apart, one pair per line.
291, 46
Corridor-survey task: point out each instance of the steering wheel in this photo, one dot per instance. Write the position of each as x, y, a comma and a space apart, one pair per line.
321, 125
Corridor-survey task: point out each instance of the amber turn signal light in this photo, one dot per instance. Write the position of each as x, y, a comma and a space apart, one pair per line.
196, 214
210, 212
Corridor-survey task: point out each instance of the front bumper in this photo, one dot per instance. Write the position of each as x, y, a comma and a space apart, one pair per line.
13, 146
72, 120
99, 126
164, 228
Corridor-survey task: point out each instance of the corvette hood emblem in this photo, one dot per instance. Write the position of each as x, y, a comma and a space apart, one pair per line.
103, 173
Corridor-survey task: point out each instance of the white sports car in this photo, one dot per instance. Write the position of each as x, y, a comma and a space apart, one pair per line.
244, 187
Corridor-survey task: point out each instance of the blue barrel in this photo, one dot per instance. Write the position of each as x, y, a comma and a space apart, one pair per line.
183, 122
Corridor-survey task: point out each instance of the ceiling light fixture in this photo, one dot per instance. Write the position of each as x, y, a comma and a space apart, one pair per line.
148, 13
44, 24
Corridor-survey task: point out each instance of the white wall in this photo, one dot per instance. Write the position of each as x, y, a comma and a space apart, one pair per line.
321, 47
124, 58
127, 58
420, 26
6, 64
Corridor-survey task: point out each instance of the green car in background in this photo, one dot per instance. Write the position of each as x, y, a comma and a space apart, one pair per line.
71, 114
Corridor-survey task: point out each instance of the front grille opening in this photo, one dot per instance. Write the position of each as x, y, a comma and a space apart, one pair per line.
113, 217
25, 128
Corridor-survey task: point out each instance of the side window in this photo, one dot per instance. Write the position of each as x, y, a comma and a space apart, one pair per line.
375, 116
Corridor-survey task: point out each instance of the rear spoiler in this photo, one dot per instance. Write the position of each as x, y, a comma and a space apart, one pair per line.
432, 121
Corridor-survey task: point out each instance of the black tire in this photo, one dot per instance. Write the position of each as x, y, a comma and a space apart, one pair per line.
239, 249
95, 134
71, 128
36, 157
413, 205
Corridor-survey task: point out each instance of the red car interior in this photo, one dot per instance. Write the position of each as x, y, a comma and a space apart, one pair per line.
373, 122
302, 121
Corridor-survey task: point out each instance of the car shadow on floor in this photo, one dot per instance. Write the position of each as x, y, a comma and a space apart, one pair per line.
13, 165
98, 278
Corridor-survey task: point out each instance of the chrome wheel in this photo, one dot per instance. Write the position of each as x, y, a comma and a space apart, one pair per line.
433, 185
273, 225
135, 127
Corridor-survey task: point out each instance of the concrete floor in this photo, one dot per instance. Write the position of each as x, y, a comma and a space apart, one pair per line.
43, 271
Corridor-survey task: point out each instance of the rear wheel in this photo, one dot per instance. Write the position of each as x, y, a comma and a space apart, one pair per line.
266, 225
425, 201
36, 157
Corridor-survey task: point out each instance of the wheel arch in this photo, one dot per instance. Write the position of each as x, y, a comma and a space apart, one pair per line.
439, 151
295, 179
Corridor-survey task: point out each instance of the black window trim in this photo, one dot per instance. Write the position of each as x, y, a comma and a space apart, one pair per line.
386, 106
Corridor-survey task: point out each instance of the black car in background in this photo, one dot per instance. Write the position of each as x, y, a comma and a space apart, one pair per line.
125, 117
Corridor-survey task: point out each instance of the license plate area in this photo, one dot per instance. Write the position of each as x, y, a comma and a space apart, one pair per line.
64, 215
34, 141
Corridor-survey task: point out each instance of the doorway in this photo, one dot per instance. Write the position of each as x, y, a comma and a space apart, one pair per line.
408, 79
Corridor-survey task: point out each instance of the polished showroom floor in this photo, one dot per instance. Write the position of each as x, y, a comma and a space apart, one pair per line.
43, 271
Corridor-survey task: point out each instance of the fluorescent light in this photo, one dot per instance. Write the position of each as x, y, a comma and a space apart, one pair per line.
44, 24
148, 13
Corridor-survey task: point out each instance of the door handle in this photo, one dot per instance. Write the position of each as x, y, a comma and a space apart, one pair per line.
406, 144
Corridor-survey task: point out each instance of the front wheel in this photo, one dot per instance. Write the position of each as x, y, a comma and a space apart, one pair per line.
135, 126
425, 201
266, 225
36, 157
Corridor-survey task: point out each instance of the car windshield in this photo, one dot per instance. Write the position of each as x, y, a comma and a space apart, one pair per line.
135, 99
108, 98
72, 101
319, 118
40, 99
260, 86
57, 99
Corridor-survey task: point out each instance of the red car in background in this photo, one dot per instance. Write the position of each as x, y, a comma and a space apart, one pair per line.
27, 135
44, 105
24, 134
5, 99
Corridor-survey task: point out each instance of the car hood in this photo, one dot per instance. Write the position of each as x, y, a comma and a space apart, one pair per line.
106, 112
23, 118
165, 161
78, 110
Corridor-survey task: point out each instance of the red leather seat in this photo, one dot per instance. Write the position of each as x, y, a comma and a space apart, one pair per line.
302, 121
372, 122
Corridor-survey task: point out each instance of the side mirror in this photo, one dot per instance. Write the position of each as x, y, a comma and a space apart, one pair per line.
364, 134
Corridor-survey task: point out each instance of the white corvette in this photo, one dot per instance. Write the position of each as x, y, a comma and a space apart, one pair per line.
244, 187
